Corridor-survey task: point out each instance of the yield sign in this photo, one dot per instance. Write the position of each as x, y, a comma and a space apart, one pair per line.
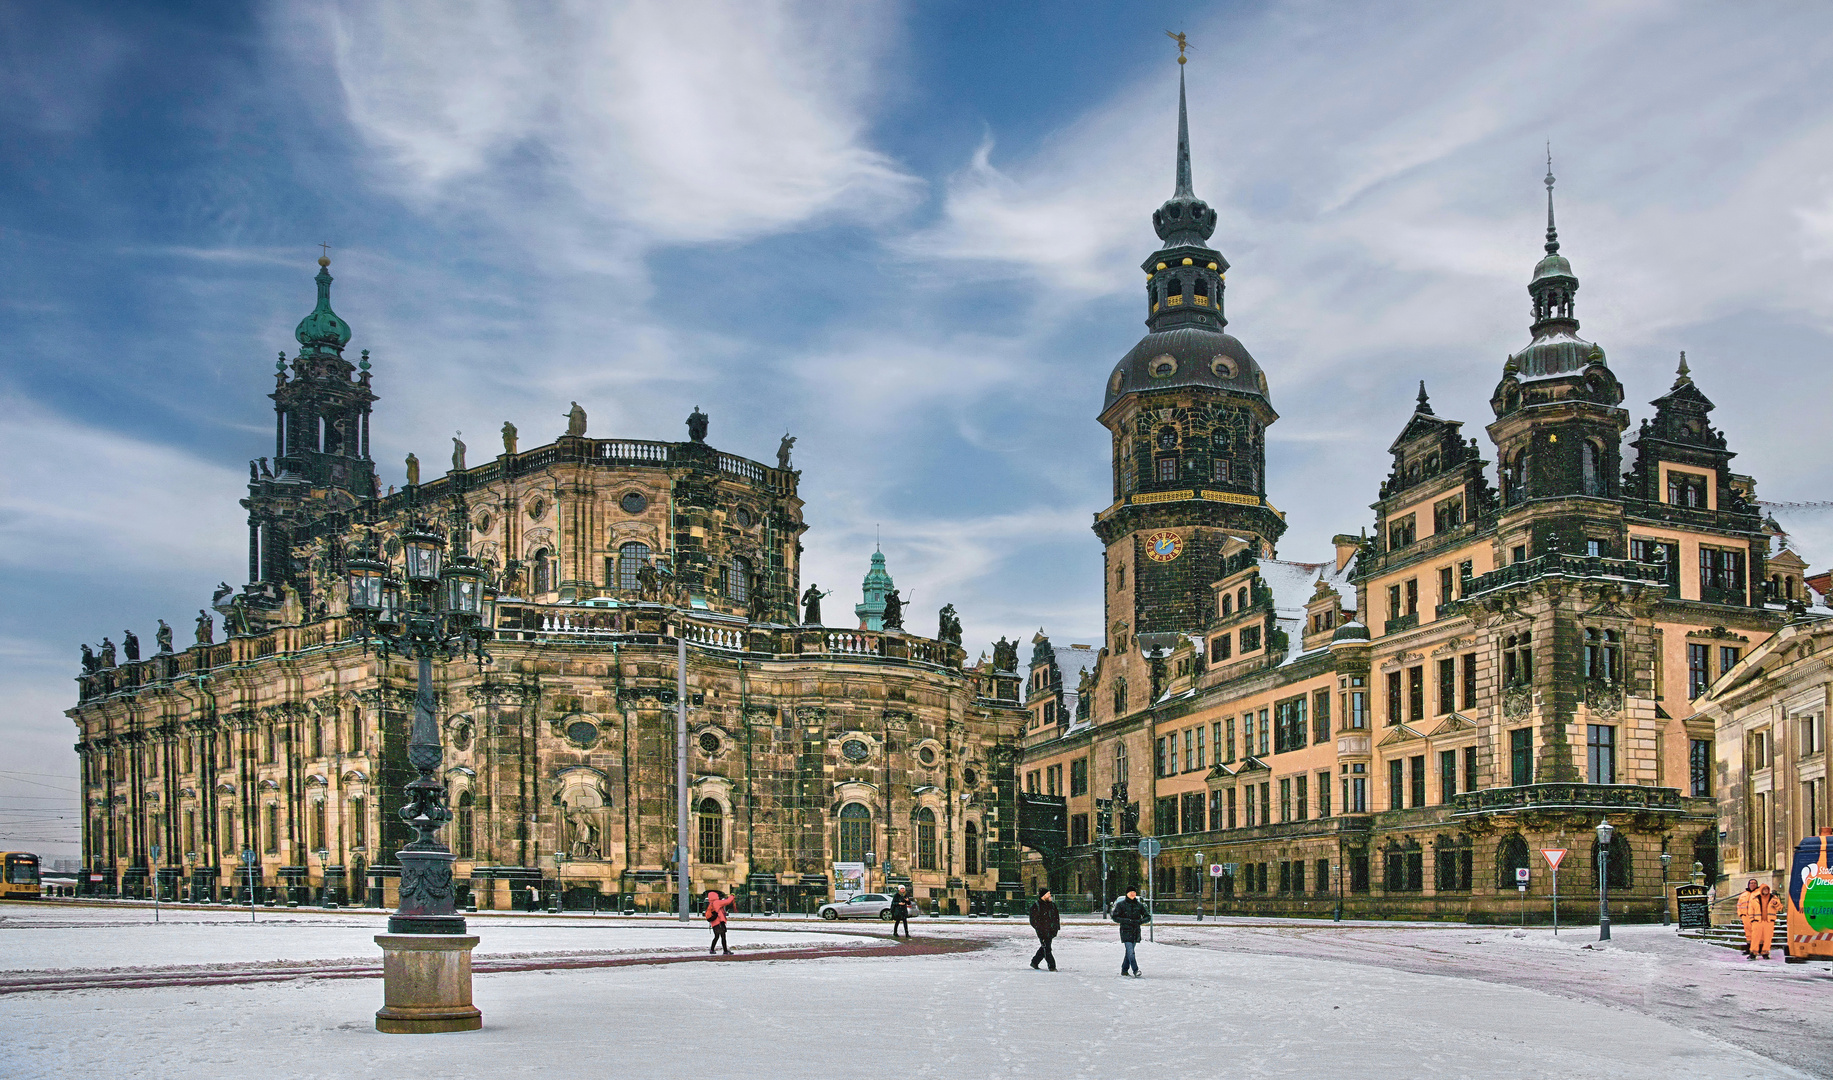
1553, 854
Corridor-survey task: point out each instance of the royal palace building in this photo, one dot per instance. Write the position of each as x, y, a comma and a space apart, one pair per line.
277, 757
1508, 656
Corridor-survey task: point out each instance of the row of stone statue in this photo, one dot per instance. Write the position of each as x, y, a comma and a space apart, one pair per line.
575, 428
103, 656
948, 623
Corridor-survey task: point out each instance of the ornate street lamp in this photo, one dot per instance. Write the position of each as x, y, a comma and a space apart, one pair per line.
1665, 860
438, 613
1605, 832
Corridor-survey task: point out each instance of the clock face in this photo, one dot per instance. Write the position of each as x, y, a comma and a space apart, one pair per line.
1164, 546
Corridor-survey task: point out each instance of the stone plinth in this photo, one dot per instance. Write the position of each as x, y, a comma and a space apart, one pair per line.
426, 984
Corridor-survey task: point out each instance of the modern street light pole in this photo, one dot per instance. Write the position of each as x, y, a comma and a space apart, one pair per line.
681, 809
1605, 832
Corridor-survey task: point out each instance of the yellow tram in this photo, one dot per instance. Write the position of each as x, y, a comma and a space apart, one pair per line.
18, 875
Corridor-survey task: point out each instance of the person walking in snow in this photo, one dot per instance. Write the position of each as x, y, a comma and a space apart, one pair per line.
1047, 923
717, 905
1758, 907
900, 911
1131, 915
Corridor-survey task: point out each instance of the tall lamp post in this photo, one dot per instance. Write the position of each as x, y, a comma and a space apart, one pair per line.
438, 613
1665, 860
1605, 832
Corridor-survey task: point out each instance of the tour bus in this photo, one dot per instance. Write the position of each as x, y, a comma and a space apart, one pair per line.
18, 875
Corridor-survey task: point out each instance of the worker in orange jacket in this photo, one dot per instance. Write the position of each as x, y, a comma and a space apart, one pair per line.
1758, 907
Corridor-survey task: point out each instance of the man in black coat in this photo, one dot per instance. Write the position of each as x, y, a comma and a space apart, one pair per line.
1047, 923
900, 911
1130, 914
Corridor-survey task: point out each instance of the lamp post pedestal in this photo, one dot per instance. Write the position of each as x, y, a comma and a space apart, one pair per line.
426, 984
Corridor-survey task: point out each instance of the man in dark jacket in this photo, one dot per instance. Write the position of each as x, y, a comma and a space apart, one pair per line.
1047, 923
900, 911
1130, 914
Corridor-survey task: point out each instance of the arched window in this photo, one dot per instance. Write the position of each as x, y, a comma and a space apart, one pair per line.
1510, 857
1591, 467
273, 829
855, 832
467, 826
1120, 696
971, 849
738, 580
631, 557
926, 839
712, 831
359, 822
1619, 861
541, 578
318, 826
1228, 604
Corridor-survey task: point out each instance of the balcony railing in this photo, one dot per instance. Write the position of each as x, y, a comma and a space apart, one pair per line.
1400, 622
1604, 797
1579, 566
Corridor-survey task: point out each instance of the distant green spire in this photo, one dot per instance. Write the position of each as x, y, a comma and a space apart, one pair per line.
322, 333
876, 587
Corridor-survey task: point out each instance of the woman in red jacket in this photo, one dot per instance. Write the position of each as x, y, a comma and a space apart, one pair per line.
717, 905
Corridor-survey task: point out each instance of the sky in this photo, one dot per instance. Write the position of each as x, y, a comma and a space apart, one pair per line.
907, 234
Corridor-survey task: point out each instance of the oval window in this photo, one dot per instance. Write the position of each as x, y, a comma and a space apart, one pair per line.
969, 777
634, 503
855, 750
1223, 367
709, 743
1162, 367
743, 517
484, 521
927, 755
582, 733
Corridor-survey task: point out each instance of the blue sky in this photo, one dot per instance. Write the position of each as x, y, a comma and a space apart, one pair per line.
908, 234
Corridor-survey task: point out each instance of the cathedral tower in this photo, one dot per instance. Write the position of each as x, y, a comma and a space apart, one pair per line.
1187, 409
321, 441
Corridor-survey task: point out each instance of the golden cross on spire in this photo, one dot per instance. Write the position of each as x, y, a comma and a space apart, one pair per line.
327, 250
1182, 43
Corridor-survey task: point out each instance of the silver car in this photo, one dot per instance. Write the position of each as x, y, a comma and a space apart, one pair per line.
863, 906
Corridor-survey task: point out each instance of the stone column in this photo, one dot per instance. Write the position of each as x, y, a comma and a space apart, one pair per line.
426, 981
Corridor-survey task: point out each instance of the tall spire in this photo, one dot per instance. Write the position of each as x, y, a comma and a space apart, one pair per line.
1184, 190
1552, 233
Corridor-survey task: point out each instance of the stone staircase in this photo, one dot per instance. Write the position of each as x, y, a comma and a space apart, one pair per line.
1731, 935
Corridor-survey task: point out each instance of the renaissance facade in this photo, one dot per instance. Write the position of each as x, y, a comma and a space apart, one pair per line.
1400, 726
277, 757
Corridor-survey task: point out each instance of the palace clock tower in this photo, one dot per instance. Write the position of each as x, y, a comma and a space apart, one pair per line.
1187, 409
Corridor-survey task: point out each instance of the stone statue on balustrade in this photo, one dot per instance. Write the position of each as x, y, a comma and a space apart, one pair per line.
782, 451
90, 663
163, 636
948, 625
894, 611
696, 425
206, 627
458, 453
413, 471
130, 646
509, 437
811, 604
1005, 655
576, 420
108, 653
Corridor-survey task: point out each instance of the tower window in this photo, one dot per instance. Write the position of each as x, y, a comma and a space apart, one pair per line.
738, 580
631, 558
542, 577
1167, 470
1167, 438
1591, 467
1218, 470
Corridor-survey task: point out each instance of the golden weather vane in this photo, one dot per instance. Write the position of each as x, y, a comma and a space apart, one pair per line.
1182, 43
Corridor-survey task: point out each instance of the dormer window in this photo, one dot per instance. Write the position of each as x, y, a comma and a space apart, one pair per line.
1687, 489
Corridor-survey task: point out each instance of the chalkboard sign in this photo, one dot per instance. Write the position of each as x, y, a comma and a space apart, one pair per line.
1695, 909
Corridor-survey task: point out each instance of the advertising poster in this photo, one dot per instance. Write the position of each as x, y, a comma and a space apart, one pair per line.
849, 880
1810, 900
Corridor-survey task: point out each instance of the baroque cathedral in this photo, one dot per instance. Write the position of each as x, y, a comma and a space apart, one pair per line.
1403, 725
276, 758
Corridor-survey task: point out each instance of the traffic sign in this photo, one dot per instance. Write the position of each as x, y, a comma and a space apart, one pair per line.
1521, 876
248, 857
1150, 847
1553, 854
1215, 869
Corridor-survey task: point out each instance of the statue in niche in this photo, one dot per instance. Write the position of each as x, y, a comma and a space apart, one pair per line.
413, 471
130, 645
585, 833
206, 627
163, 636
894, 611
90, 663
948, 625
458, 453
696, 425
811, 604
575, 420
509, 437
782, 451
108, 653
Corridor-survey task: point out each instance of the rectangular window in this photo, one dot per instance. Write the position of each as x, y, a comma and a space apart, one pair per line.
1219, 470
1412, 596
1355, 794
1250, 818
1446, 591
1167, 470
1231, 807
1402, 531
1285, 800
1686, 489
1393, 602
1358, 873
1250, 639
1164, 816
1265, 734
1200, 762
1699, 768
1808, 733
1078, 777
1602, 649
1158, 750
1810, 805
1448, 514
1053, 780
1358, 705
1190, 749
1721, 576
1289, 725
1728, 656
1447, 685
1266, 802
1323, 794
1601, 753
1470, 768
1470, 680
1518, 658
1078, 829
1194, 819
1396, 785
1518, 553
1320, 716
1465, 571
1416, 771
1393, 698
1698, 669
1447, 775
1247, 735
1416, 693
1521, 756
1229, 739
1322, 876
1221, 647
1301, 796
